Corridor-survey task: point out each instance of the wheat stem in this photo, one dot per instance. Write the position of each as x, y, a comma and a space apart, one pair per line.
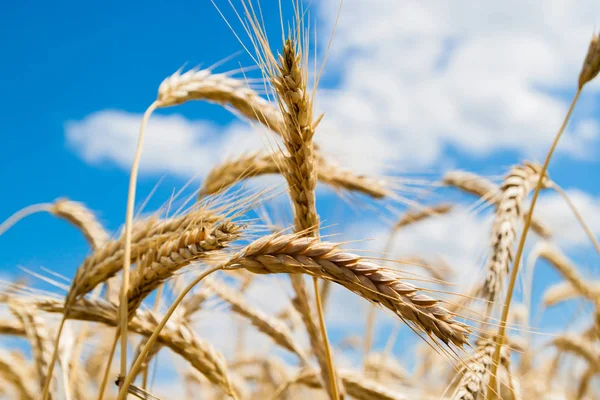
128, 231
515, 269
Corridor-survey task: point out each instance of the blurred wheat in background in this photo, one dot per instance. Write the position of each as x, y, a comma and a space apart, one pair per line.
195, 266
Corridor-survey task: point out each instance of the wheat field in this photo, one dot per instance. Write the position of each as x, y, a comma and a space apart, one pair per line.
143, 299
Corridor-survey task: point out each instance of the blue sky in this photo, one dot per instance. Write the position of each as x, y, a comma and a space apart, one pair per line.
409, 88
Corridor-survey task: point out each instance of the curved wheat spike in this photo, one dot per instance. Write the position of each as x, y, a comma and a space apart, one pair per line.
514, 190
255, 164
221, 89
481, 187
292, 254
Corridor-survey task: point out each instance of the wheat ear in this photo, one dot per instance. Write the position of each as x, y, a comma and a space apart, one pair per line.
255, 164
221, 89
514, 190
192, 245
476, 372
293, 254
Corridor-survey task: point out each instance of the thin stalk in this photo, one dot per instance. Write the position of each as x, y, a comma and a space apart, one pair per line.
49, 373
128, 232
156, 304
22, 213
492, 395
107, 369
332, 376
152, 339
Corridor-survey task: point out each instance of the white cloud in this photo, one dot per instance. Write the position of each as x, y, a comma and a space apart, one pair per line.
416, 77
172, 144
